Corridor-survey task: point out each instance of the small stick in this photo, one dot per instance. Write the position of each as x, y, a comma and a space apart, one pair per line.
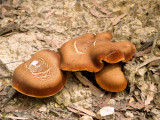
95, 91
147, 61
11, 93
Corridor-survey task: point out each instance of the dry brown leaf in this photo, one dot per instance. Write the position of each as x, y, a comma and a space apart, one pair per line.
136, 105
95, 91
100, 7
3, 93
94, 13
75, 111
16, 118
117, 19
141, 53
153, 63
83, 111
150, 96
49, 13
88, 112
147, 61
105, 102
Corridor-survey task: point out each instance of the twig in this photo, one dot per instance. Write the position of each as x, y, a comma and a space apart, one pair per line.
11, 93
17, 118
147, 44
147, 61
100, 8
49, 13
68, 116
95, 91
141, 53
8, 28
82, 111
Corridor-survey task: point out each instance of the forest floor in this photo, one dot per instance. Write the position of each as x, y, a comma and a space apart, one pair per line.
32, 25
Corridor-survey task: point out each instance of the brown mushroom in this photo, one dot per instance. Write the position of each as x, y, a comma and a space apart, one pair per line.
111, 78
88, 51
112, 52
40, 76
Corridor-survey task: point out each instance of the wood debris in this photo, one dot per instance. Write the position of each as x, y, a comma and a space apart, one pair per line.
103, 10
150, 96
141, 53
95, 91
82, 111
49, 13
118, 19
11, 93
17, 118
147, 61
94, 13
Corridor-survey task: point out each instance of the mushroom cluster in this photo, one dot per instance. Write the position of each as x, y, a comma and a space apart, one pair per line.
89, 52
43, 75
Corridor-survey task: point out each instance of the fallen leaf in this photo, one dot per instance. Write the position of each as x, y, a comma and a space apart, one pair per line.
136, 105
75, 111
117, 20
147, 61
17, 118
150, 96
82, 110
100, 8
3, 93
95, 91
141, 53
49, 13
153, 63
105, 102
92, 11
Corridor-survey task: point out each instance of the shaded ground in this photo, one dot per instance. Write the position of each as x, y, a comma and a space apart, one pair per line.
29, 26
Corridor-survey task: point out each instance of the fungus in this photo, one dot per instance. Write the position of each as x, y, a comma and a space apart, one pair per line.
111, 78
112, 52
40, 76
74, 54
88, 52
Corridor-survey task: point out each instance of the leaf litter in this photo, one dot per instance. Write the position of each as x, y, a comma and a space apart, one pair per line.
140, 104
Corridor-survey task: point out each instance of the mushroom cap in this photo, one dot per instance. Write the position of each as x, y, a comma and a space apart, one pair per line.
112, 52
40, 76
111, 78
88, 52
76, 53
127, 48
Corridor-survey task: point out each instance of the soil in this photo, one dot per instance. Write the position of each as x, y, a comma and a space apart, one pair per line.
30, 26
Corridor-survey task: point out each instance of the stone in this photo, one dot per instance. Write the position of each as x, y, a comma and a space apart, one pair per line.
105, 112
129, 114
86, 117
